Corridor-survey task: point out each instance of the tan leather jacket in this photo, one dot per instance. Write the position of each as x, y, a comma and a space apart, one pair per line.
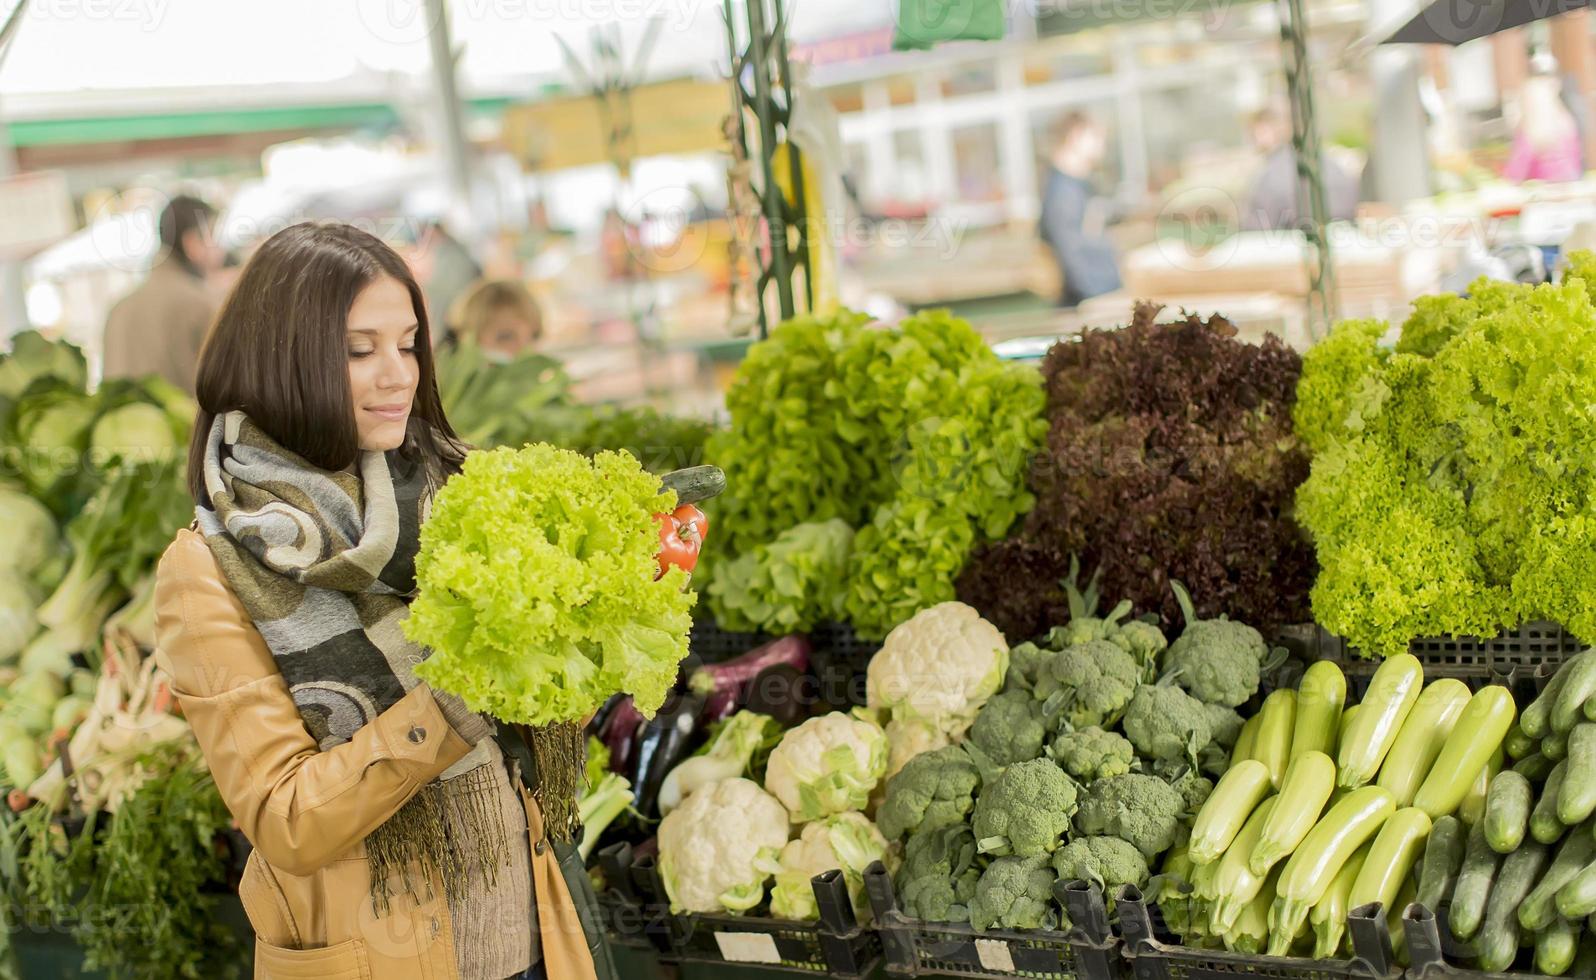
307, 812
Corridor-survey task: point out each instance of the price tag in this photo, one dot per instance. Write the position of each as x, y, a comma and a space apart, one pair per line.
994, 955
747, 947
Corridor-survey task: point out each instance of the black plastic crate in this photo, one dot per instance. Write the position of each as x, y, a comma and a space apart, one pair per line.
637, 914
1435, 955
708, 643
1151, 958
915, 948
1522, 660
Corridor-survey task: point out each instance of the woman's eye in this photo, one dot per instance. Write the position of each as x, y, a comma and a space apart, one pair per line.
407, 350
360, 353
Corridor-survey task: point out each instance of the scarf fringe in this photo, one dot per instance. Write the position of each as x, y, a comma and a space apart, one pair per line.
451, 829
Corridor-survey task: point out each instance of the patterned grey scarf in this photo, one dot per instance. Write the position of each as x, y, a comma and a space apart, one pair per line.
324, 563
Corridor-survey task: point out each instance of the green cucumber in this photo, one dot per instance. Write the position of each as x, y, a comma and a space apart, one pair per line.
1536, 719
1443, 855
1507, 811
1518, 744
1577, 799
1544, 825
1555, 746
1497, 943
695, 483
1474, 878
1539, 907
1555, 947
1580, 685
1577, 897
1534, 767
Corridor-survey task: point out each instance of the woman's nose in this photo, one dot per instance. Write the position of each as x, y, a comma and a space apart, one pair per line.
396, 371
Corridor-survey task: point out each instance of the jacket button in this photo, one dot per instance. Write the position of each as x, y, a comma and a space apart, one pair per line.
541, 847
417, 734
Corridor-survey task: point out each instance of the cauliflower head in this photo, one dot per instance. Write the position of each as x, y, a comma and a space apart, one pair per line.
1088, 684
909, 738
936, 789
1108, 861
940, 666
827, 765
1025, 810
1015, 893
1164, 722
1009, 728
716, 848
1093, 753
939, 873
1135, 807
846, 842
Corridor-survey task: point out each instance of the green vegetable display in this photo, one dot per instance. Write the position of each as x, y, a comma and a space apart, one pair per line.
1141, 809
1015, 893
1026, 810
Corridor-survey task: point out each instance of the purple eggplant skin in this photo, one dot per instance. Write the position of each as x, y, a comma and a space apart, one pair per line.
595, 724
620, 734
739, 673
783, 692
662, 742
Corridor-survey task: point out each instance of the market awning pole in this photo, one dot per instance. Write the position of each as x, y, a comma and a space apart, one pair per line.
764, 108
456, 155
1312, 207
13, 304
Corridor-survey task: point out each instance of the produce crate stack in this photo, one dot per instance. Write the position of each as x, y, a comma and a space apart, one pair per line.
916, 948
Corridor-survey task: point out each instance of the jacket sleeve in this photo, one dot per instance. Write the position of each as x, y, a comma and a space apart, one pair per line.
300, 806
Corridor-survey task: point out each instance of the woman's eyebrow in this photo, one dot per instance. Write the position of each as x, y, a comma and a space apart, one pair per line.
372, 331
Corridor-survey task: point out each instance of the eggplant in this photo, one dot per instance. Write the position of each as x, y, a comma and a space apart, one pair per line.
595, 725
662, 742
780, 693
735, 678
621, 726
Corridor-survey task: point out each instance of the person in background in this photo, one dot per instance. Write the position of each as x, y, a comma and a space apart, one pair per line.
501, 316
160, 326
1546, 143
445, 267
1072, 214
1272, 203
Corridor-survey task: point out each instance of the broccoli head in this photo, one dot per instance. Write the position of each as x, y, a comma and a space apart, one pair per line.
1015, 893
933, 789
1009, 728
1025, 660
937, 879
1092, 753
1025, 810
1142, 640
1225, 724
1135, 807
1164, 723
1089, 684
1217, 660
1108, 861
1190, 783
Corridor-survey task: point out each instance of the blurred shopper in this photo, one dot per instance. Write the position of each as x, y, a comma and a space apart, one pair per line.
1546, 143
501, 316
1272, 203
1072, 214
445, 267
159, 327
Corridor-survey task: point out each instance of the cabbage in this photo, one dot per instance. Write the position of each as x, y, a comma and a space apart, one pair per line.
33, 357
54, 428
135, 432
19, 605
31, 531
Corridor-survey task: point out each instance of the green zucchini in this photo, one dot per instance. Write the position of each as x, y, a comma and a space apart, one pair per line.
1590, 709
1227, 808
1507, 811
1392, 692
1472, 809
1310, 779
1534, 767
1317, 860
1235, 886
1328, 917
1544, 825
1577, 798
1474, 879
1539, 907
1577, 897
1391, 859
1321, 696
1422, 737
1536, 720
1580, 685
1443, 856
1246, 740
1273, 746
1517, 744
1347, 715
1497, 942
1479, 733
695, 483
1555, 947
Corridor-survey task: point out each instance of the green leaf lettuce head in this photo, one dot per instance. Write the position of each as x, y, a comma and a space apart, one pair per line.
536, 588
787, 585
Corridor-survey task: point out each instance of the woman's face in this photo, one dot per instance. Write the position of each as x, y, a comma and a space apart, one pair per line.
506, 334
383, 371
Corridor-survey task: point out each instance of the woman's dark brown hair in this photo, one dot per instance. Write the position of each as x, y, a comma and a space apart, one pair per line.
278, 352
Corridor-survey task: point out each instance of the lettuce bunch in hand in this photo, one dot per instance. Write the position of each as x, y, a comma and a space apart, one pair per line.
538, 597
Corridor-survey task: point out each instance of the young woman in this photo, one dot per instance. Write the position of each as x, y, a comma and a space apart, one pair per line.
392, 839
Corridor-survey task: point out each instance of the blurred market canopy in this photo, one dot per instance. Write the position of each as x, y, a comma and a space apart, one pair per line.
1460, 21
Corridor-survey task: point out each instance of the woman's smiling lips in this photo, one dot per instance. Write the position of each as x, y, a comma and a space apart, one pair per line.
393, 413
